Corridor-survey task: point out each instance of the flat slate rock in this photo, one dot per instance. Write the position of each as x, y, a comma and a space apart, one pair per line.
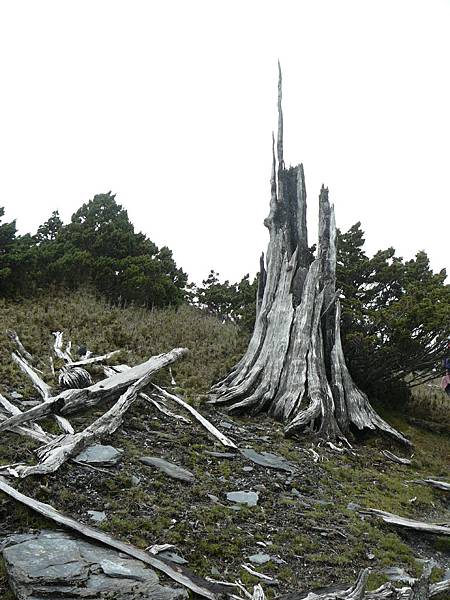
260, 558
269, 460
54, 564
170, 469
97, 516
105, 456
228, 455
249, 498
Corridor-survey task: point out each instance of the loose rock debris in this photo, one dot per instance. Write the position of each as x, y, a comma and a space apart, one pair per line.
128, 383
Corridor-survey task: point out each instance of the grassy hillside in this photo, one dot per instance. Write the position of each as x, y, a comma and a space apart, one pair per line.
304, 521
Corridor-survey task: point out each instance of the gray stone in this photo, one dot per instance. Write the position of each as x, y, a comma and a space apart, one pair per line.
97, 516
353, 506
172, 557
225, 425
260, 558
269, 460
55, 564
228, 455
213, 498
248, 469
106, 456
135, 480
168, 468
15, 395
249, 498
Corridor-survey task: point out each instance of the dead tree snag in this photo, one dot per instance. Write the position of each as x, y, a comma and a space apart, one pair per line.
294, 366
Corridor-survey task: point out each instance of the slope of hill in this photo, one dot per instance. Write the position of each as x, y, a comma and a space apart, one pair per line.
306, 522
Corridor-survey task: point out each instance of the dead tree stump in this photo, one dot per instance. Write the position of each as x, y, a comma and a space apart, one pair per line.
294, 366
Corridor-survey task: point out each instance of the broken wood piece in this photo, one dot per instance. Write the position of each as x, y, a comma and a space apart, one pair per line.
58, 451
43, 389
72, 400
58, 347
176, 572
420, 526
420, 589
15, 339
250, 570
40, 385
157, 548
34, 431
440, 485
109, 371
93, 359
397, 459
258, 592
223, 439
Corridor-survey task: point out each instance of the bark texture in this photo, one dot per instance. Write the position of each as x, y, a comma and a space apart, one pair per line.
294, 366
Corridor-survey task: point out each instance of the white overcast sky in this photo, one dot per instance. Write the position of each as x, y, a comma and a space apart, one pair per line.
170, 104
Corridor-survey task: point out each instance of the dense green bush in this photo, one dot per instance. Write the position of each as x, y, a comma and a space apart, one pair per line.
98, 247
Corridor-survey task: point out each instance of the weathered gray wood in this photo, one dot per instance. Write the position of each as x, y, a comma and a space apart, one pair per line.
34, 432
420, 526
223, 439
421, 589
43, 389
174, 571
397, 459
440, 485
73, 400
109, 371
58, 451
93, 359
294, 366
16, 340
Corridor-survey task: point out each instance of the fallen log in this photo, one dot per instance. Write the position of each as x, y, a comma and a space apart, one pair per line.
421, 589
72, 400
16, 341
93, 359
206, 424
34, 431
44, 390
440, 485
110, 371
397, 459
176, 572
58, 451
420, 526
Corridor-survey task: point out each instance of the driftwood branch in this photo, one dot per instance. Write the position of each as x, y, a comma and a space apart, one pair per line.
420, 526
93, 359
16, 341
397, 459
34, 431
58, 451
421, 589
110, 371
175, 572
440, 485
43, 389
72, 400
223, 439
58, 347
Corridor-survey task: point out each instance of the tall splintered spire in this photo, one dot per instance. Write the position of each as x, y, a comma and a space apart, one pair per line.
280, 121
